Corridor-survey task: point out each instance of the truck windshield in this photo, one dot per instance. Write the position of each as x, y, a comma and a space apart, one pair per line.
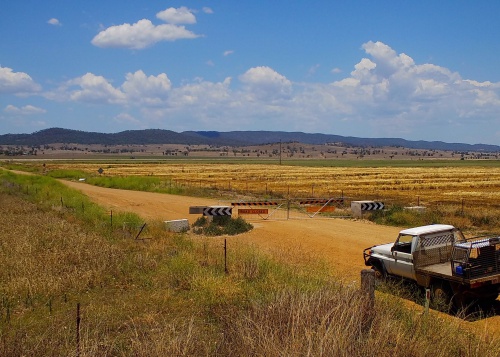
403, 244
404, 238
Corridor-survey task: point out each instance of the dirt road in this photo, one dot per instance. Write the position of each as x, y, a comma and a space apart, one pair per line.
340, 242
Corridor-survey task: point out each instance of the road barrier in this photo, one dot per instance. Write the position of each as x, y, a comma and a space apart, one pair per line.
218, 211
256, 203
360, 207
298, 208
288, 208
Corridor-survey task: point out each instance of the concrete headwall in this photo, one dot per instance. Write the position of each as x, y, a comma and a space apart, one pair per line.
177, 225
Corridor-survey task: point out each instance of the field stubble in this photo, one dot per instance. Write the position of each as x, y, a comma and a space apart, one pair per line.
468, 195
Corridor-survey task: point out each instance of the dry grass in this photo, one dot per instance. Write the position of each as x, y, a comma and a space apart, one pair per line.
49, 265
170, 296
333, 322
31, 257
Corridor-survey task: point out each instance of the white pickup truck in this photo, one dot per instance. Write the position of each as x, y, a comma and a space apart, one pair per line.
458, 271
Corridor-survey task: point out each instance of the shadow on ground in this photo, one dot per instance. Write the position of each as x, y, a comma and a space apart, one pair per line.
410, 291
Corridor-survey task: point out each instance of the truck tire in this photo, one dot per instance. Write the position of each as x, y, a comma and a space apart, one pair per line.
380, 272
441, 295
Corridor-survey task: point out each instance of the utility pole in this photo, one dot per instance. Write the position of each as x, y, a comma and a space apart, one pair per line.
280, 151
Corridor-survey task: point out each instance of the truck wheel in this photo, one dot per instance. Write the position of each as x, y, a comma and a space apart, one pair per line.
380, 274
441, 296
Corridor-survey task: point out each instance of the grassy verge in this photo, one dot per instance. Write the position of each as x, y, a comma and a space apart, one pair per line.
48, 193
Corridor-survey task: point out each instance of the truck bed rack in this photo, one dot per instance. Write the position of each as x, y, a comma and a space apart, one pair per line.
475, 258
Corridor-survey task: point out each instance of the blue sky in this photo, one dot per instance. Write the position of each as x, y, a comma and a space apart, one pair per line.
419, 70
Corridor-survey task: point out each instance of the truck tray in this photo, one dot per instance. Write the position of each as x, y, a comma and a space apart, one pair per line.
439, 269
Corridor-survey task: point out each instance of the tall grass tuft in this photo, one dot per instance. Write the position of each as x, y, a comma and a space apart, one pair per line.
332, 322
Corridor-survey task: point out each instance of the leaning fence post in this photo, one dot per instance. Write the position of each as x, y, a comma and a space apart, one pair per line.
368, 292
368, 286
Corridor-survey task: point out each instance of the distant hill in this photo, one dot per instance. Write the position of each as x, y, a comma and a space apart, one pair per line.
262, 137
129, 137
231, 138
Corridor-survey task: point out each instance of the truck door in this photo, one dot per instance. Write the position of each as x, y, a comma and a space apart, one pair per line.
401, 262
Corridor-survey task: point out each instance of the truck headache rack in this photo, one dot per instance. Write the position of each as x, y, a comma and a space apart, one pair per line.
433, 250
477, 257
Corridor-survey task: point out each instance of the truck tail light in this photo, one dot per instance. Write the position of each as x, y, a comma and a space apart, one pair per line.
476, 284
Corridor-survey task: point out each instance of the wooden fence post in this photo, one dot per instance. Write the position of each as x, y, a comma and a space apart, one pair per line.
368, 292
368, 285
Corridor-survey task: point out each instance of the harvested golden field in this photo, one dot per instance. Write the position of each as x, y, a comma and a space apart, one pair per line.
410, 185
466, 194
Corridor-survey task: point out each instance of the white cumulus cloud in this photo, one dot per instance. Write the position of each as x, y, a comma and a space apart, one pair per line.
137, 89
94, 89
140, 35
265, 83
392, 94
181, 15
17, 82
150, 90
144, 33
